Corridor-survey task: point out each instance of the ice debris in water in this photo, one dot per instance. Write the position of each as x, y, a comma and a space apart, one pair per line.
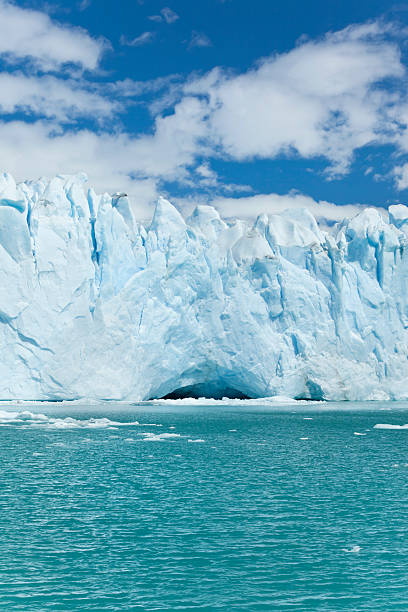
210, 401
354, 549
101, 306
35, 419
153, 437
390, 426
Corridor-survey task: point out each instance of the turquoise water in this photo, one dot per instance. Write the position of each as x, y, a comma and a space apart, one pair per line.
97, 516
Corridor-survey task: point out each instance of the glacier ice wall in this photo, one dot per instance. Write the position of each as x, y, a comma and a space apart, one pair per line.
95, 305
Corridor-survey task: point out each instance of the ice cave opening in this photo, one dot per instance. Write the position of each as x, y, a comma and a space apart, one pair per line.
209, 390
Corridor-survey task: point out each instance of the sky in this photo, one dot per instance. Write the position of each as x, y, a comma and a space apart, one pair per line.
248, 105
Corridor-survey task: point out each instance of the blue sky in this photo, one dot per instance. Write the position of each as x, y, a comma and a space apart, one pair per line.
249, 105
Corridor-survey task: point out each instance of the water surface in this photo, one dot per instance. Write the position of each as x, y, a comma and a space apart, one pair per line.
233, 508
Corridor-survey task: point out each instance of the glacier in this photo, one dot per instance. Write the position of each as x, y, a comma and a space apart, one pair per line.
94, 304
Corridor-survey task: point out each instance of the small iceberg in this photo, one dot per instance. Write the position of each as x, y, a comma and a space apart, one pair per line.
389, 426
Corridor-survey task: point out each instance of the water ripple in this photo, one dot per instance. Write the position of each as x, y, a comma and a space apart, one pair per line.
253, 517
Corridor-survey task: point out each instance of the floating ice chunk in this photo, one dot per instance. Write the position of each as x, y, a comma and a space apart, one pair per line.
195, 441
389, 426
209, 401
37, 419
6, 415
149, 436
357, 433
354, 549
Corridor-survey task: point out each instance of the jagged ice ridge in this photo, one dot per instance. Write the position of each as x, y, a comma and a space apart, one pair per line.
95, 305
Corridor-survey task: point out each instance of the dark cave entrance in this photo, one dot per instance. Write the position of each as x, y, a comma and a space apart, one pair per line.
208, 390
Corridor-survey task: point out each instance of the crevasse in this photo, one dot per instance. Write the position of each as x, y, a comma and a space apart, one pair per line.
95, 305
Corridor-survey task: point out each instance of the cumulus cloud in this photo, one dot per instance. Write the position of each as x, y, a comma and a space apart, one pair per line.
48, 96
29, 34
113, 161
322, 98
30, 150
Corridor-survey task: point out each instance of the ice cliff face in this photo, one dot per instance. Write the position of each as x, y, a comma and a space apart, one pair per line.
95, 305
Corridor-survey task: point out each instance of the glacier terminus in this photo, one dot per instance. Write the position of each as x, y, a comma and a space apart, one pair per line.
93, 304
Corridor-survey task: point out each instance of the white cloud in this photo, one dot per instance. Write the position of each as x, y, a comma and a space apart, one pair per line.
198, 39
113, 161
203, 176
129, 88
48, 96
29, 34
143, 39
84, 4
324, 98
168, 15
401, 176
40, 149
320, 99
252, 206
206, 172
